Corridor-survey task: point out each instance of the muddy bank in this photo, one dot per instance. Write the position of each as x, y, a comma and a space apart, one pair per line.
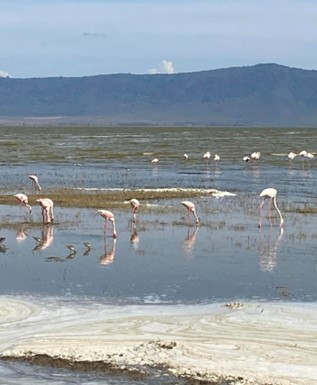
235, 343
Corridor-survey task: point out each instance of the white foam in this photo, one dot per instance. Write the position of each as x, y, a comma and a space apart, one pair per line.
213, 192
264, 342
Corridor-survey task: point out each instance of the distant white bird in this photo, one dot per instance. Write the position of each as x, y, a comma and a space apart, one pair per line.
154, 161
246, 158
310, 155
255, 155
291, 155
185, 156
303, 154
207, 155
217, 158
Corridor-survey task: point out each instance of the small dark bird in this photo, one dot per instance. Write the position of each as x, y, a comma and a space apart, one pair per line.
72, 249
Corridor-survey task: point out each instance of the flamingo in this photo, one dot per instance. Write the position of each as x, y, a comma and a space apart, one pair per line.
190, 206
154, 161
255, 155
207, 155
47, 209
185, 156
246, 158
217, 158
303, 154
35, 181
134, 206
24, 201
292, 156
109, 216
272, 194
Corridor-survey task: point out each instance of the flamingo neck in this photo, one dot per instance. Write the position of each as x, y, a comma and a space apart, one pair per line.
279, 212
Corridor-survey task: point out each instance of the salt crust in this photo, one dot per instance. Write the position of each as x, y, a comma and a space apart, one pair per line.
213, 192
253, 343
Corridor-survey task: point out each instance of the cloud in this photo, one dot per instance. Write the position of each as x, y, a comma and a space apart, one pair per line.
166, 67
90, 34
4, 74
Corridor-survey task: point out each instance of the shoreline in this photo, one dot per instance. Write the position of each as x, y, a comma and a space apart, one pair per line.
238, 342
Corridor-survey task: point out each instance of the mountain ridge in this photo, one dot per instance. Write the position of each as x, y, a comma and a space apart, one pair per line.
265, 94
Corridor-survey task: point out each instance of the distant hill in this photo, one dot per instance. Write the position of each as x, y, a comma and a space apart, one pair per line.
260, 95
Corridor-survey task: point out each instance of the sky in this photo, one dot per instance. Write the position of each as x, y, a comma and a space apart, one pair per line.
43, 38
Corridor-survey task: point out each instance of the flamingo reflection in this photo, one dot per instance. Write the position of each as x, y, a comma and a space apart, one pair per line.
46, 238
268, 248
134, 239
189, 241
21, 234
108, 257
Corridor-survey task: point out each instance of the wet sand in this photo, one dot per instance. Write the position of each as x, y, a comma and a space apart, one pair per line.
236, 343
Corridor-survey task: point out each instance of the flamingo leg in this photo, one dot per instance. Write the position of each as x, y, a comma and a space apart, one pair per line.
260, 213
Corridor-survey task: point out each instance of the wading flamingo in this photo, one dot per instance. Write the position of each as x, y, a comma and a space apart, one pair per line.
108, 216
207, 155
24, 201
134, 206
291, 155
270, 193
255, 155
47, 209
35, 182
190, 206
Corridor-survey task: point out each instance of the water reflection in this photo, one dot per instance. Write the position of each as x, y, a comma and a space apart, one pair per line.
21, 234
134, 238
189, 241
46, 238
268, 246
109, 253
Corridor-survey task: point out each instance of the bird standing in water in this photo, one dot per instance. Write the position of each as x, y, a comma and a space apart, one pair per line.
272, 194
47, 209
191, 208
24, 201
134, 206
35, 182
108, 216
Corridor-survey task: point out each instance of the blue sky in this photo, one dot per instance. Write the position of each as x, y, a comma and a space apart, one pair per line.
41, 38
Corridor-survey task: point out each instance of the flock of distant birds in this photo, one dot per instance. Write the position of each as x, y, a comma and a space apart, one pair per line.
248, 158
47, 205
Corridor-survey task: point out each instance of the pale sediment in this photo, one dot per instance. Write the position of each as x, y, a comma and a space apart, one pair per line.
245, 343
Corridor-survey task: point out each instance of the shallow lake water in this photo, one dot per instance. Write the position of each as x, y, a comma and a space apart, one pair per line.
162, 258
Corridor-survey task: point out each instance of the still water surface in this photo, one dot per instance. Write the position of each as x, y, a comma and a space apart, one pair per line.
163, 259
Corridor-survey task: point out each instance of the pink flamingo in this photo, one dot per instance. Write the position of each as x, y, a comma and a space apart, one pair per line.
35, 181
270, 193
24, 201
190, 206
134, 206
47, 209
108, 216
